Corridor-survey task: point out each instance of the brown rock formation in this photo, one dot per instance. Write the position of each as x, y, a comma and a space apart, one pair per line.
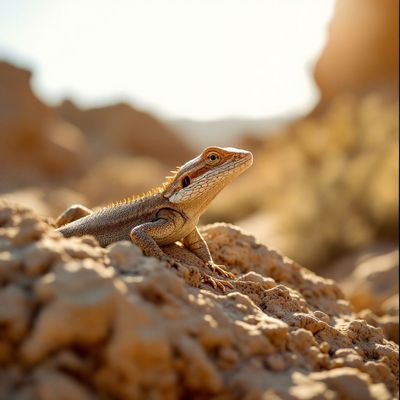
34, 142
374, 281
124, 176
82, 322
370, 281
42, 155
123, 128
362, 51
326, 186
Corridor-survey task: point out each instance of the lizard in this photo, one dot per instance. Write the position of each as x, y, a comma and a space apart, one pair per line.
167, 214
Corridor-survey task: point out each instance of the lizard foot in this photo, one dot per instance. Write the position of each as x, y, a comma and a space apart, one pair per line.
220, 270
216, 283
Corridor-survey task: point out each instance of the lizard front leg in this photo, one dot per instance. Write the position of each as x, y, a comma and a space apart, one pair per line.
71, 214
196, 243
146, 235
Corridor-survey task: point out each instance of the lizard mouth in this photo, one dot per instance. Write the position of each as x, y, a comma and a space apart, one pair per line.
245, 160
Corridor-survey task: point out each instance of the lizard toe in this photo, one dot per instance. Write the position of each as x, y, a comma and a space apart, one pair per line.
216, 283
220, 270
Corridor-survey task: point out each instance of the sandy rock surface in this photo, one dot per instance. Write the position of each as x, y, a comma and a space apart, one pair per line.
374, 281
82, 322
370, 282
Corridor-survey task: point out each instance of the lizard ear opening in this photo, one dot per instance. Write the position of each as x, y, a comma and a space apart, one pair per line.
186, 181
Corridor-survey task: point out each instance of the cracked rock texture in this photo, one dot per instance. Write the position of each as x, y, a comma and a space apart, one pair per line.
78, 321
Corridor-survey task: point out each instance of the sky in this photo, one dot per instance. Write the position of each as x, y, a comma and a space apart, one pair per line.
197, 59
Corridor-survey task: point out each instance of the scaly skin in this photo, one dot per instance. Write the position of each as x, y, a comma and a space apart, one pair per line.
167, 214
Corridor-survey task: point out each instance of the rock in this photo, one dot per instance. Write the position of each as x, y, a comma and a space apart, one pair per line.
46, 201
374, 281
343, 383
124, 129
88, 322
370, 280
323, 187
125, 176
361, 53
57, 149
391, 305
32, 136
50, 384
388, 323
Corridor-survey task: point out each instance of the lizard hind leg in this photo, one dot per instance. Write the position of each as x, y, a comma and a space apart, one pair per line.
71, 214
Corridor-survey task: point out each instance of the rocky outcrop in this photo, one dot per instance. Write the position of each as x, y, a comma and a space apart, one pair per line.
56, 154
325, 187
122, 128
125, 175
82, 322
373, 281
370, 282
58, 142
35, 144
361, 53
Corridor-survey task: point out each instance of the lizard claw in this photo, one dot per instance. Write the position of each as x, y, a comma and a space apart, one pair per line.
216, 283
220, 270
205, 278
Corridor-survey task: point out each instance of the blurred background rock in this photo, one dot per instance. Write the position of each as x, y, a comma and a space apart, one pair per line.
324, 186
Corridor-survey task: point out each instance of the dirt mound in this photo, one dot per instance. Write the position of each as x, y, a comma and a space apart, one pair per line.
80, 321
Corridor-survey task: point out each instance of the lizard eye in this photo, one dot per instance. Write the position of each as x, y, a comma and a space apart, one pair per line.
186, 181
213, 157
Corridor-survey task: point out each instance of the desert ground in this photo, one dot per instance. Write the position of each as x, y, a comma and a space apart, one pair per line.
310, 232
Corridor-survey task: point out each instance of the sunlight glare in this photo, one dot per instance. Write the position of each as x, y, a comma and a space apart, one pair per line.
180, 58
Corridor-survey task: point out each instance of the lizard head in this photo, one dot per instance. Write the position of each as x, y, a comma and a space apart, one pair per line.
199, 180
